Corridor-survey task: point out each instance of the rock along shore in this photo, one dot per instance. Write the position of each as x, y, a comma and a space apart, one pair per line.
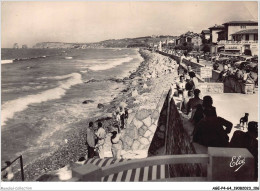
142, 94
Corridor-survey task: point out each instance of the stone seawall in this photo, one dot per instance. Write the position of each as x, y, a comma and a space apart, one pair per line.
156, 73
178, 142
172, 139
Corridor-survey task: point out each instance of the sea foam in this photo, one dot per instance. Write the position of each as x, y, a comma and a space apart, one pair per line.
11, 107
111, 64
6, 61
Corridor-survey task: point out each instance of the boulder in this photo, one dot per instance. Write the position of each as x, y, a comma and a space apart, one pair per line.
126, 78
134, 83
135, 93
87, 101
136, 102
145, 86
100, 106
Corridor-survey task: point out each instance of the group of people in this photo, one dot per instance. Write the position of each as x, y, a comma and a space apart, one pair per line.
241, 74
120, 116
212, 131
96, 136
186, 85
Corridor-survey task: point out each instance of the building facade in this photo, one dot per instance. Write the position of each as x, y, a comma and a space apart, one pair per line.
205, 34
239, 36
190, 37
214, 32
236, 26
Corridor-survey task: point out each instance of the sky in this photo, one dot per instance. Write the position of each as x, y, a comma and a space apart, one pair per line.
83, 22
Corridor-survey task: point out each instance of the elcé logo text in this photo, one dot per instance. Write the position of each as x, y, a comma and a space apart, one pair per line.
237, 162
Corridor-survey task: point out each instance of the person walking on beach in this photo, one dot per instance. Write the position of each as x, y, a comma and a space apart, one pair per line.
126, 116
122, 117
198, 59
118, 118
101, 134
210, 131
116, 147
90, 140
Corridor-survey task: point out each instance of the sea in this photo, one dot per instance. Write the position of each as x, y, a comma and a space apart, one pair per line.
42, 91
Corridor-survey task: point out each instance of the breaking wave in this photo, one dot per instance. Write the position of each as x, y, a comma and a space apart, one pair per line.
11, 107
111, 64
6, 61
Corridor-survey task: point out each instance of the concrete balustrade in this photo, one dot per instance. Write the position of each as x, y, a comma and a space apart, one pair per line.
224, 164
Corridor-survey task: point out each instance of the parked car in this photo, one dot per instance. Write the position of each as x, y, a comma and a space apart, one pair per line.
246, 65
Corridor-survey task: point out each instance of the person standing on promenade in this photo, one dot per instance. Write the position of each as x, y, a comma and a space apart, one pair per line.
210, 132
101, 134
223, 74
193, 103
90, 140
180, 86
247, 140
207, 105
194, 79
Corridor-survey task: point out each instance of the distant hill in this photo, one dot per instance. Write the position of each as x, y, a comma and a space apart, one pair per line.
111, 43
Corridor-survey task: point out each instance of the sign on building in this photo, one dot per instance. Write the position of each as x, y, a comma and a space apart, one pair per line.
206, 72
232, 47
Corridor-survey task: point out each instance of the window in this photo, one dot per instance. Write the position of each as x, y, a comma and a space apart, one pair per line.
243, 27
247, 36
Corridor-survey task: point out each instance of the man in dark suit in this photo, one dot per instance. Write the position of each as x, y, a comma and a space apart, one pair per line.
210, 131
